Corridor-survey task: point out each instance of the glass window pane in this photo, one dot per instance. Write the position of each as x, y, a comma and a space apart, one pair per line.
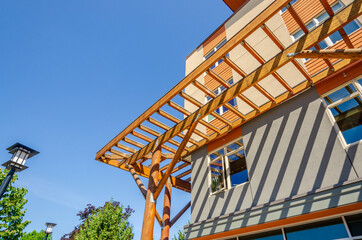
238, 170
310, 25
351, 27
335, 37
298, 34
348, 105
235, 145
231, 81
217, 175
336, 7
355, 224
323, 44
221, 44
341, 93
232, 102
210, 118
224, 109
322, 17
275, 235
353, 134
329, 230
209, 54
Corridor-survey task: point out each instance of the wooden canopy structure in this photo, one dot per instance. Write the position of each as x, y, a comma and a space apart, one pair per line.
150, 148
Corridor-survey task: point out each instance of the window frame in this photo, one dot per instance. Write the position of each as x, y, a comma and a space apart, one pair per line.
226, 166
221, 109
358, 92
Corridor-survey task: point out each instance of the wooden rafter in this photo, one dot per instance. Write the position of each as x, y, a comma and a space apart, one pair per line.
334, 23
176, 158
258, 21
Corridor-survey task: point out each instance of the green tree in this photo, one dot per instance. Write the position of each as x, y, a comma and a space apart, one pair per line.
34, 235
107, 222
11, 210
179, 236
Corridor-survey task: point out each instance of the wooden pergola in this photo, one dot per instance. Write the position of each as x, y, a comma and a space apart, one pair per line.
161, 155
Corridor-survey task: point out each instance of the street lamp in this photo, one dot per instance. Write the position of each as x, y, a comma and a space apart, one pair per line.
16, 164
49, 229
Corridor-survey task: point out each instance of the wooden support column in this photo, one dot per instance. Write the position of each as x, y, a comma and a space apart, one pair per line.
176, 158
150, 206
166, 223
142, 189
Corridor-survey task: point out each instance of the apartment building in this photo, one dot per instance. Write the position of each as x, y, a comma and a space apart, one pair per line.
264, 131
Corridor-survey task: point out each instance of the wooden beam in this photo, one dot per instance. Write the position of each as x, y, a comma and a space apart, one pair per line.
247, 101
219, 79
173, 162
259, 20
150, 206
343, 33
145, 172
296, 18
329, 53
183, 210
180, 167
142, 189
272, 37
184, 174
345, 16
165, 229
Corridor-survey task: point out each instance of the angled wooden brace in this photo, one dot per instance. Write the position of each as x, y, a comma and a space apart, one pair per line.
183, 210
175, 158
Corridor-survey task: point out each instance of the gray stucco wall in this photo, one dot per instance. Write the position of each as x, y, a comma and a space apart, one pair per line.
290, 150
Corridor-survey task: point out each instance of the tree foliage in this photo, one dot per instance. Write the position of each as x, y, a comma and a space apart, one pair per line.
107, 222
179, 236
11, 210
34, 235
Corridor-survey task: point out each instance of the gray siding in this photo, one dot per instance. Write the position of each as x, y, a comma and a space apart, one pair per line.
290, 150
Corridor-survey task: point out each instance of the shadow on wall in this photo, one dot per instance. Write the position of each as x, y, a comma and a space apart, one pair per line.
290, 150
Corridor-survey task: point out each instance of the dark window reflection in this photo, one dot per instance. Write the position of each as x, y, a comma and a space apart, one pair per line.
328, 230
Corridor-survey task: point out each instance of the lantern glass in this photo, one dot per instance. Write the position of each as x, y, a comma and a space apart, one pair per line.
49, 228
20, 156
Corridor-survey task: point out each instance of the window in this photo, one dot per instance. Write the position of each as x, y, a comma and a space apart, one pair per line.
354, 224
221, 110
228, 167
345, 105
327, 230
331, 40
213, 51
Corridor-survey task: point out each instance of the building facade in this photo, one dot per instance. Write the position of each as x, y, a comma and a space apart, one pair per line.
295, 171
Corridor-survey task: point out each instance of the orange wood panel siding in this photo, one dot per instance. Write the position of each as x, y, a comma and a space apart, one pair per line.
315, 65
350, 72
306, 9
329, 213
217, 123
220, 141
214, 39
235, 4
223, 70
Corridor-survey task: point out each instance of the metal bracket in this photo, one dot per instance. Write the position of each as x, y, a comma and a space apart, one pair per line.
152, 199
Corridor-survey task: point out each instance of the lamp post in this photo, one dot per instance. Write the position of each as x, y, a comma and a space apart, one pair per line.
16, 164
49, 229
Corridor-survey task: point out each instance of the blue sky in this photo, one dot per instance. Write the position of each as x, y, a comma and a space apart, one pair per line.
73, 74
